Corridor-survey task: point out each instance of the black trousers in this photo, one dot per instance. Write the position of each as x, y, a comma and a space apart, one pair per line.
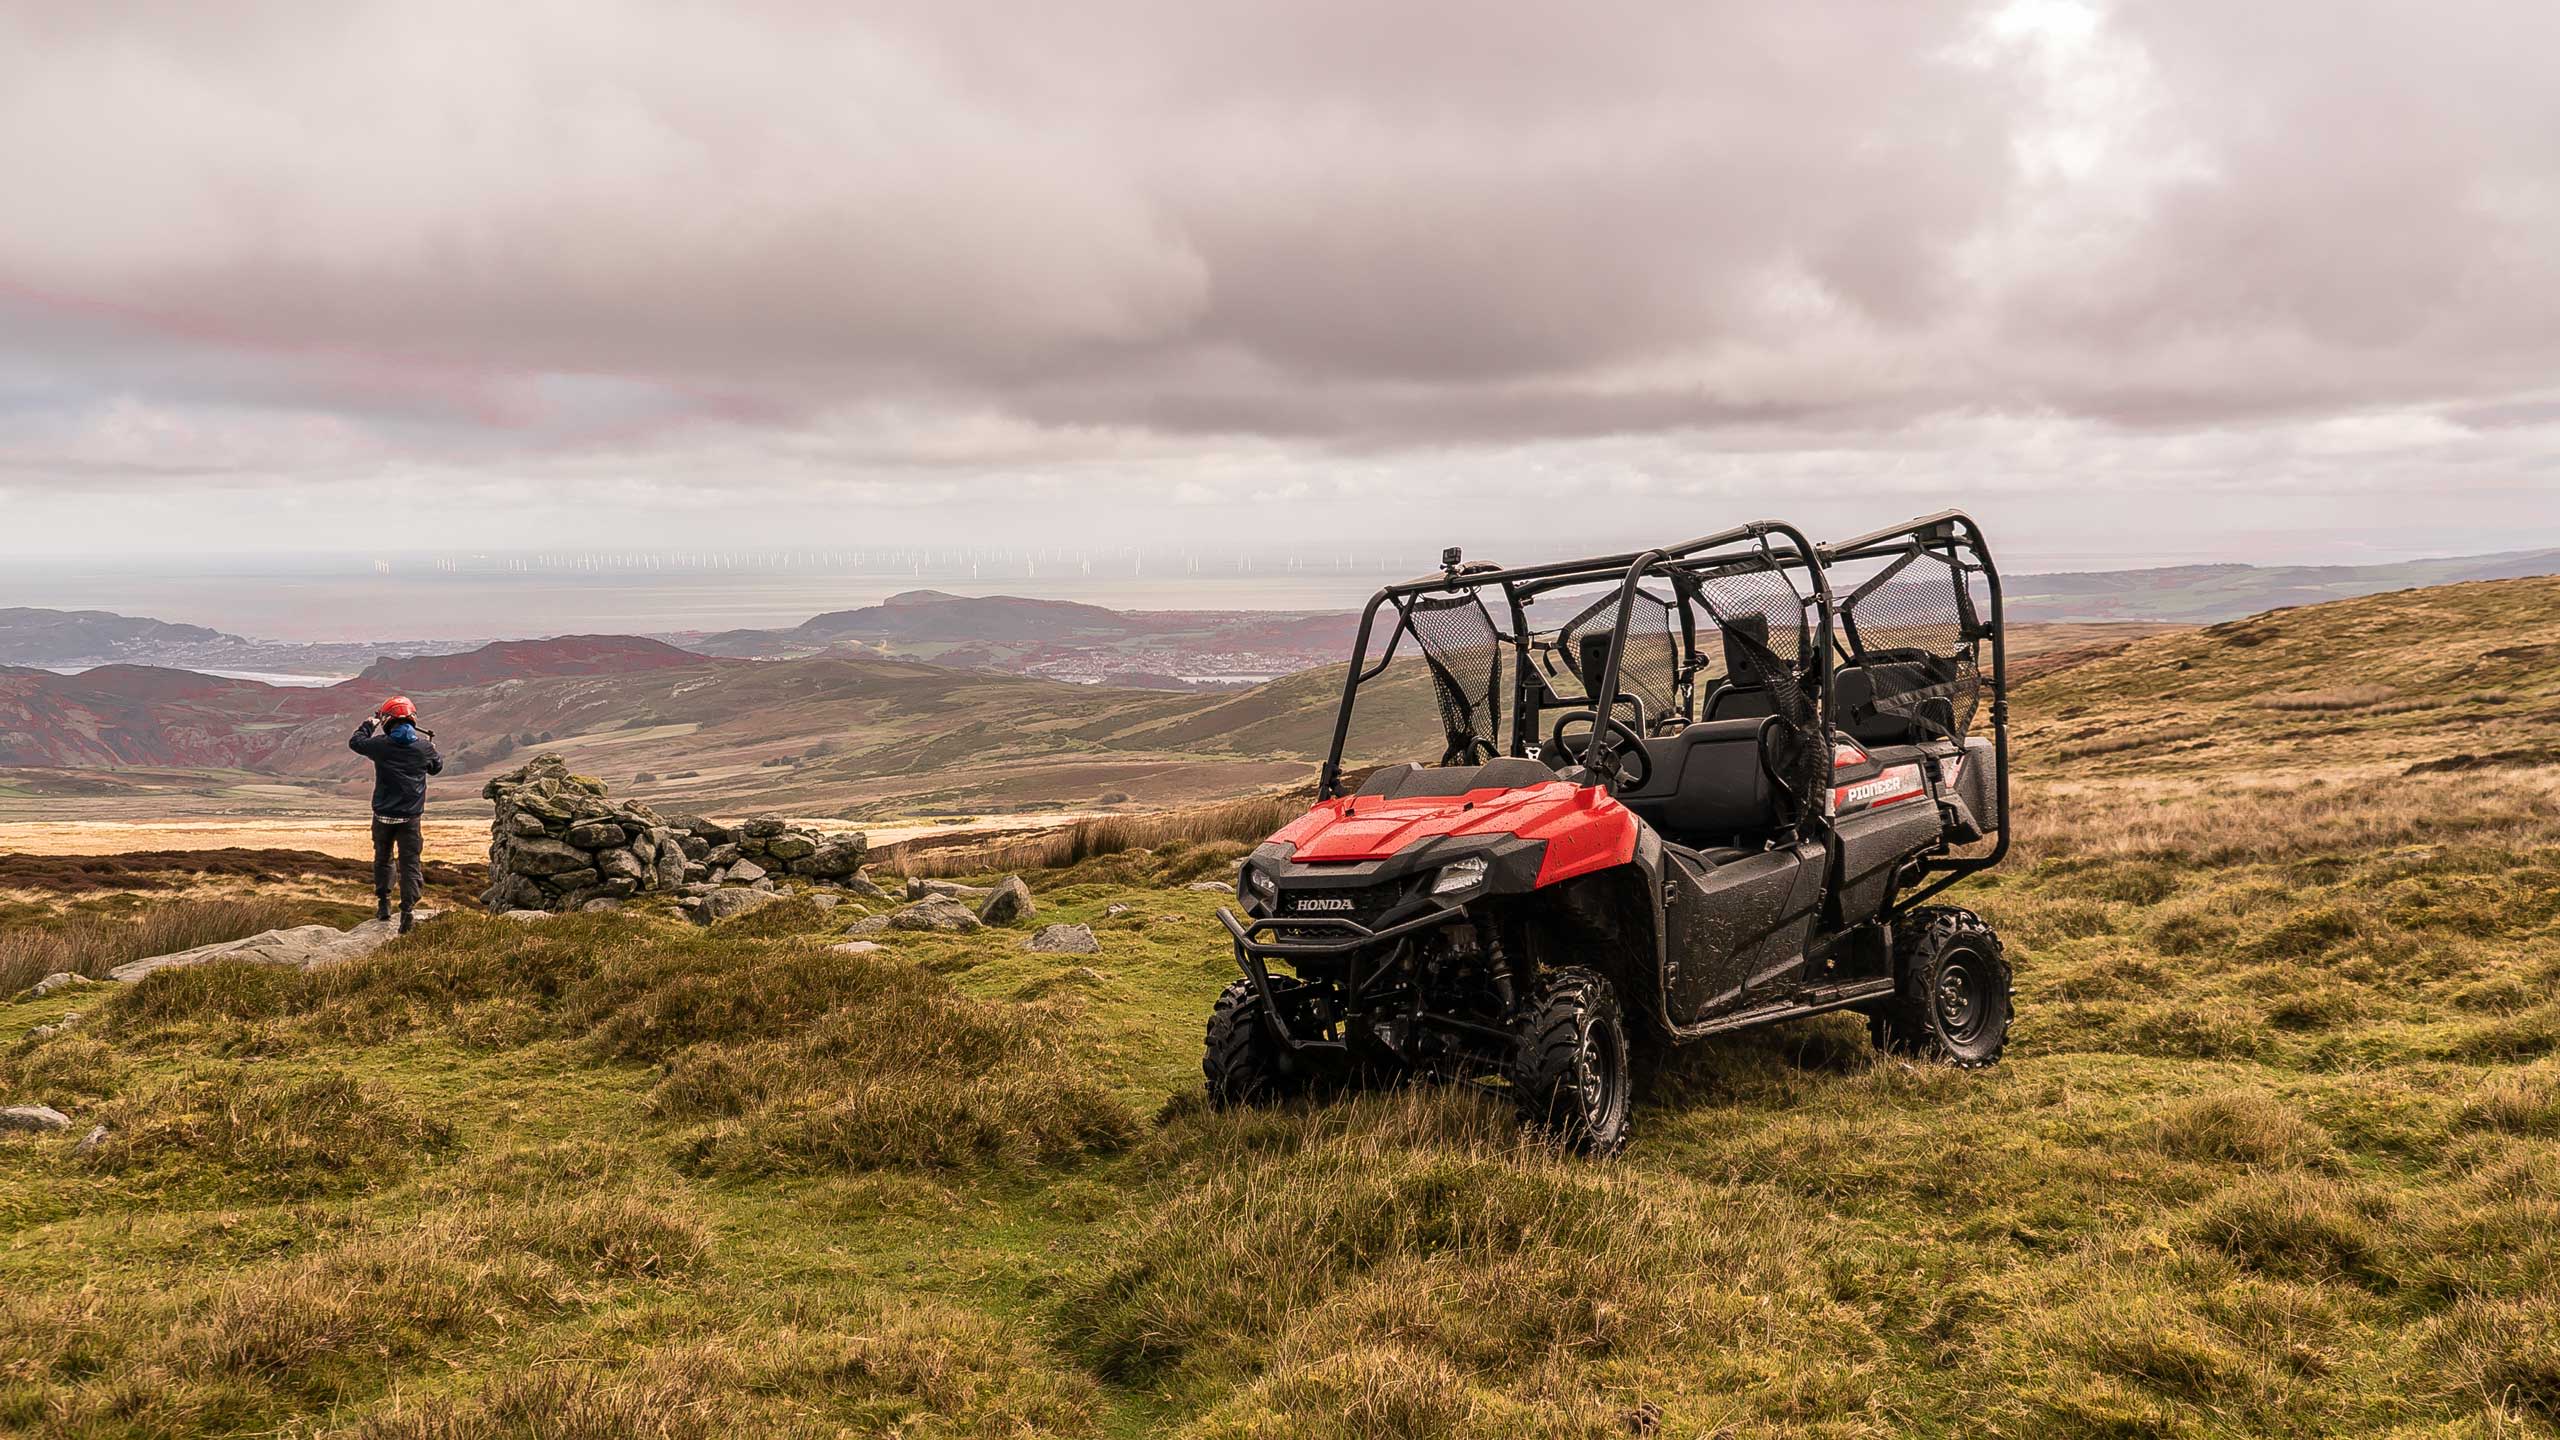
409, 837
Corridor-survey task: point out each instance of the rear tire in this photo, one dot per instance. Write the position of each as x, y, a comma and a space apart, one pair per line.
1244, 1062
1571, 1073
1951, 998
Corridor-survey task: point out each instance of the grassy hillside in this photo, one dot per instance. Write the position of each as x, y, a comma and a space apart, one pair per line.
2272, 1153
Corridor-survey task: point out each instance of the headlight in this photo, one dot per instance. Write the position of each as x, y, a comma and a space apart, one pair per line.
1260, 886
1459, 875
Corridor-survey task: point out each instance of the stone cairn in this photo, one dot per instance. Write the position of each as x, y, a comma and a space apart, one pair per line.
557, 843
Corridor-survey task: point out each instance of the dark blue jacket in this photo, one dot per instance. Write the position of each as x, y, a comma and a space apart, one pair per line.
402, 760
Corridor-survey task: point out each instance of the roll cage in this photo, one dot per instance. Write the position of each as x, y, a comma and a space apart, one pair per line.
1910, 632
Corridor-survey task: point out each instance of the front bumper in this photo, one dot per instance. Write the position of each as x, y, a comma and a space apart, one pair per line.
1252, 954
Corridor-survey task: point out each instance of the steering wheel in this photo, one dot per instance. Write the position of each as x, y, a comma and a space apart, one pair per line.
1634, 751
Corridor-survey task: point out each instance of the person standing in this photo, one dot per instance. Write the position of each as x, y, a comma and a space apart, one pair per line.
403, 757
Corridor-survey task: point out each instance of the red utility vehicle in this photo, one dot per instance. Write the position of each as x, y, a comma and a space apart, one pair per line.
1786, 765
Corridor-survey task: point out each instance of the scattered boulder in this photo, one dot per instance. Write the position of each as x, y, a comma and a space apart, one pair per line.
939, 913
58, 980
602, 904
1116, 909
1064, 940
859, 947
96, 1137
524, 917
1211, 887
33, 1119
919, 888
1009, 901
726, 902
861, 883
47, 1032
869, 925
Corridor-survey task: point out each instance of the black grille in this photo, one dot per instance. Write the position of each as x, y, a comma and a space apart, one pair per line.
1361, 903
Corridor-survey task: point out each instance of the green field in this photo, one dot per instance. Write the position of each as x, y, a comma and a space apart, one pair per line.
2276, 1149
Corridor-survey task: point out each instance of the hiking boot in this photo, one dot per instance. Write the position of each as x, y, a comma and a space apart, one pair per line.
408, 922
381, 907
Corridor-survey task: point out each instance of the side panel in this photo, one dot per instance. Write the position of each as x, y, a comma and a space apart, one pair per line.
1729, 927
1873, 845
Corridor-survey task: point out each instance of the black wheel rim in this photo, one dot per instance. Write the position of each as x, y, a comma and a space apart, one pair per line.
1597, 1067
1963, 1002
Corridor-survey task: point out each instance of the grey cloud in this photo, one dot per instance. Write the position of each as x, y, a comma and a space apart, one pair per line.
1158, 232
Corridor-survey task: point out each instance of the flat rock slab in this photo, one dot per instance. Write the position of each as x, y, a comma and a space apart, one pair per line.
302, 946
35, 1118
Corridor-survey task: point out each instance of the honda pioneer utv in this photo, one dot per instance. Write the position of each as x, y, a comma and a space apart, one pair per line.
1732, 773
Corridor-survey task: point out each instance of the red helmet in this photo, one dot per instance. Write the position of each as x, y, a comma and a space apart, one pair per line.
397, 708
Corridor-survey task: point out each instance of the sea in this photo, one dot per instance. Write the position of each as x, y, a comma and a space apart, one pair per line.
328, 598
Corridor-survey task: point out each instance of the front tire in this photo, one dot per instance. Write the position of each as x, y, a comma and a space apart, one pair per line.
1951, 999
1244, 1061
1571, 1073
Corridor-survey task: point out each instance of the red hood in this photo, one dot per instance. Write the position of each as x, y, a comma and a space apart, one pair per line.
1585, 828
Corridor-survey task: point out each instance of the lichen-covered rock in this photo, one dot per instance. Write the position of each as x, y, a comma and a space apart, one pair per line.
745, 872
762, 827
723, 855
596, 834
790, 846
940, 913
544, 857
839, 856
919, 888
1064, 940
58, 980
670, 867
728, 901
861, 883
1009, 901
36, 1119
696, 846
524, 822
622, 864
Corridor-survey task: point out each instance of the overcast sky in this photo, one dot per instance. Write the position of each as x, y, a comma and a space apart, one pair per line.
2136, 282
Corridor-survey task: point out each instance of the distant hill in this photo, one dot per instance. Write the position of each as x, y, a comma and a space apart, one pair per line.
1063, 640
2203, 594
90, 637
522, 659
72, 639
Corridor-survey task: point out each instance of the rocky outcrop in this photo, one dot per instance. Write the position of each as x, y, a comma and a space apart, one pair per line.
558, 843
37, 1119
302, 946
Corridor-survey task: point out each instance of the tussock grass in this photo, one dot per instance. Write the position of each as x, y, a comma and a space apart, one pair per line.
802, 1059
2248, 1127
2352, 697
92, 942
262, 1136
1242, 821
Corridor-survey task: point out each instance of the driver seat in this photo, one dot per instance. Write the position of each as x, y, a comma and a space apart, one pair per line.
1708, 780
